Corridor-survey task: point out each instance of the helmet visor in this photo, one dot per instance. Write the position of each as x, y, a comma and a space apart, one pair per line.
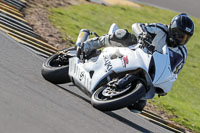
180, 37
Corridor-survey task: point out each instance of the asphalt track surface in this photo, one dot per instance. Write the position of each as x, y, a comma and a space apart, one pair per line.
192, 7
29, 104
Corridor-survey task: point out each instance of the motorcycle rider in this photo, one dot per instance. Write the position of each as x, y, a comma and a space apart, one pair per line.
156, 35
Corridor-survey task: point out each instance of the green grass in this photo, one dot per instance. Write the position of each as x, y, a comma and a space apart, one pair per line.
184, 98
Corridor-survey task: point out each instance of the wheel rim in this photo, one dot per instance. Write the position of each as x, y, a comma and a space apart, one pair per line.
61, 59
128, 96
109, 93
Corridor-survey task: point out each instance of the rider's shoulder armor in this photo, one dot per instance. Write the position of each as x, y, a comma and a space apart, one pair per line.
155, 28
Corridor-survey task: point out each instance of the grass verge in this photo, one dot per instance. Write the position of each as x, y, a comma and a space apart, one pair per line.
183, 100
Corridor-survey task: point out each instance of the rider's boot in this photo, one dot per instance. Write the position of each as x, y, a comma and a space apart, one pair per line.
138, 106
119, 38
94, 43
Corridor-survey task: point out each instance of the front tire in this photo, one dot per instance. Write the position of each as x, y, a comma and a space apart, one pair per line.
124, 99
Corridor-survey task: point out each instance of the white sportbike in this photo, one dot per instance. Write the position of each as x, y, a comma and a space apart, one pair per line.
115, 77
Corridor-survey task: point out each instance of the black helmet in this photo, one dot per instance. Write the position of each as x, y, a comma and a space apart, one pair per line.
181, 29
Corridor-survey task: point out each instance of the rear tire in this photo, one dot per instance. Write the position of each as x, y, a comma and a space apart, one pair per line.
125, 99
57, 74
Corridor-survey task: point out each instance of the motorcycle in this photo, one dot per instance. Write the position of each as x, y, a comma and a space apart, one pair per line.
115, 77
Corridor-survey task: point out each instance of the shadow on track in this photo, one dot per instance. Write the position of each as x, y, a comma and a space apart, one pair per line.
86, 100
111, 114
127, 122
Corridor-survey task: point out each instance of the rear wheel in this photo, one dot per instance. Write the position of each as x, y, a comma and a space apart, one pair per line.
107, 98
55, 68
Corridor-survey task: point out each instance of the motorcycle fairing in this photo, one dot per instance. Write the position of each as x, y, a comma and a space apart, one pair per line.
111, 59
164, 76
121, 59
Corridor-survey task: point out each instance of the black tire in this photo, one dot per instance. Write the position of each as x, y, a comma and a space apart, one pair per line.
55, 74
124, 100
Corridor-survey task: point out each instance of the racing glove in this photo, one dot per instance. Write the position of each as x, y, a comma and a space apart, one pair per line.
146, 40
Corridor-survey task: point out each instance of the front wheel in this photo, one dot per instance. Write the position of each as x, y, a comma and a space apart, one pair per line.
107, 99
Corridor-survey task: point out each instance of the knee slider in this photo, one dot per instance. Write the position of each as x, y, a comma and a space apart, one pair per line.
121, 34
